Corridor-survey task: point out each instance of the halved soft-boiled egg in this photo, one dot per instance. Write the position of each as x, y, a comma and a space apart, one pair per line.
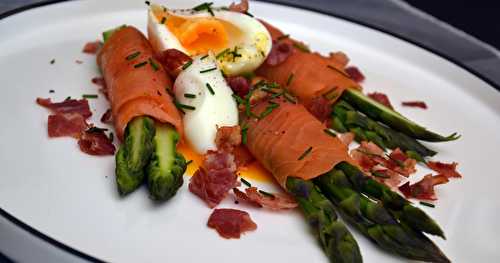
240, 42
203, 94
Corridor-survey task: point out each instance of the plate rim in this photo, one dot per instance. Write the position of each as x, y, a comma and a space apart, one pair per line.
85, 256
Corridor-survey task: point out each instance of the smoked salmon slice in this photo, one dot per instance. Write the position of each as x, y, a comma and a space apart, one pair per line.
307, 75
290, 141
136, 82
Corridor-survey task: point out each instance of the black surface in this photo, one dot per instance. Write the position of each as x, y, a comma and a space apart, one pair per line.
477, 18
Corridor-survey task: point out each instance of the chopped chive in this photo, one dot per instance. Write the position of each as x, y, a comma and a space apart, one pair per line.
133, 55
90, 96
244, 131
283, 37
330, 132
153, 64
96, 129
338, 70
248, 14
210, 89
380, 175
263, 54
140, 64
205, 6
306, 152
185, 66
245, 182
204, 57
53, 61
301, 47
222, 53
266, 193
184, 106
427, 204
289, 80
189, 95
68, 98
268, 90
147, 2
163, 19
238, 99
268, 110
189, 162
111, 136
208, 70
52, 91
164, 9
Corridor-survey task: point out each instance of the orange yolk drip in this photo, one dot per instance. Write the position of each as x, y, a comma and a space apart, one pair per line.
253, 171
197, 35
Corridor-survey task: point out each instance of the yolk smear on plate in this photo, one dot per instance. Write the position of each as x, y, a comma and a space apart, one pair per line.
254, 171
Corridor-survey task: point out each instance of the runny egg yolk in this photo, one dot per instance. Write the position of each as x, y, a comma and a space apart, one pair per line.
198, 35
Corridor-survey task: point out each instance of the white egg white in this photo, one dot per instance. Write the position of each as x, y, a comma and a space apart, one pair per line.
246, 49
210, 110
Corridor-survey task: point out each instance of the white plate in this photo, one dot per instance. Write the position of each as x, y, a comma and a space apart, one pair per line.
71, 197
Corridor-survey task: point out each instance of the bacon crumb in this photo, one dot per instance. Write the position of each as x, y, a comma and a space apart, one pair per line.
424, 189
107, 117
321, 108
241, 7
173, 60
92, 47
231, 223
447, 169
67, 106
381, 98
280, 51
416, 104
66, 124
346, 137
96, 143
355, 74
239, 85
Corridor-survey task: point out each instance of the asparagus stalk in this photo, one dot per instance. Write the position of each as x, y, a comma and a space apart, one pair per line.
401, 208
167, 166
336, 240
376, 222
134, 154
391, 118
366, 129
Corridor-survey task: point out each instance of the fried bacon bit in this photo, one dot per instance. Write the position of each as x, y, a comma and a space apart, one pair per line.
99, 81
355, 74
367, 155
66, 124
239, 85
417, 104
241, 196
96, 143
67, 106
92, 47
346, 137
321, 108
228, 137
173, 60
280, 51
242, 7
274, 201
449, 170
424, 189
340, 58
107, 117
215, 177
401, 163
231, 223
387, 177
381, 98
242, 157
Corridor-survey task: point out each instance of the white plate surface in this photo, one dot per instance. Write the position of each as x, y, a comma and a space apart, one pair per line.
53, 187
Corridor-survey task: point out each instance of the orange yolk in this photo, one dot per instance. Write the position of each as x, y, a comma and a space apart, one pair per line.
198, 35
253, 171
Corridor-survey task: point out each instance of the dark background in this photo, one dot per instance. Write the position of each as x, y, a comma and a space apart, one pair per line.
477, 18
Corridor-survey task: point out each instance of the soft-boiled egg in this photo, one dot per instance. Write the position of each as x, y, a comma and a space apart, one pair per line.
241, 43
207, 101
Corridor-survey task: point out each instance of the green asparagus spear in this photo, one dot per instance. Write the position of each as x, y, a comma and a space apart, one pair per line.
134, 154
367, 129
401, 208
391, 118
376, 222
338, 243
167, 166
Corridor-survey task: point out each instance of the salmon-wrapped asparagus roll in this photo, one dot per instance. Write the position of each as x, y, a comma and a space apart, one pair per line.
304, 157
307, 75
144, 114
